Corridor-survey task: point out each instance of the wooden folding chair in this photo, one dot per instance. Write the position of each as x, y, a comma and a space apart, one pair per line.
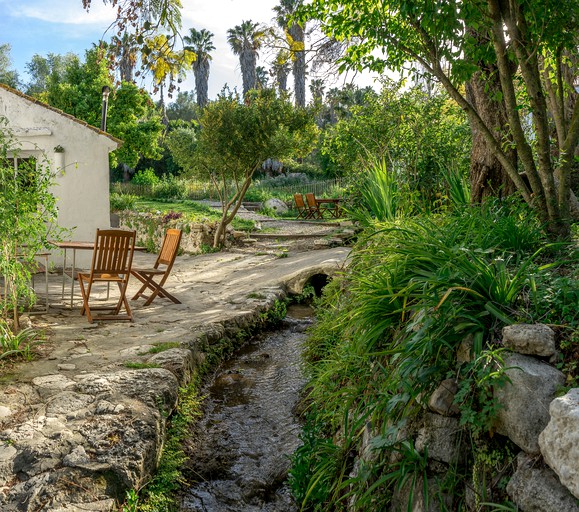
111, 263
303, 211
165, 260
313, 206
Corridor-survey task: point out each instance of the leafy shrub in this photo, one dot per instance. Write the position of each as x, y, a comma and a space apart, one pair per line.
387, 334
145, 177
310, 169
120, 202
170, 188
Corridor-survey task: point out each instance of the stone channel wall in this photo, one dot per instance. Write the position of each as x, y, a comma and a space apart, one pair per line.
151, 229
96, 435
544, 427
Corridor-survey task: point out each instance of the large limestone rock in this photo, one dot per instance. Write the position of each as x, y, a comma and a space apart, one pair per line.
525, 400
537, 339
442, 399
440, 435
277, 205
560, 440
535, 488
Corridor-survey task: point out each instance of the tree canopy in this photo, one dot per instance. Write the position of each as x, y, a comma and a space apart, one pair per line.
534, 46
132, 116
236, 138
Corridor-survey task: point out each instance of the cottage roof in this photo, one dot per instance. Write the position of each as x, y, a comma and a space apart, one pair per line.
58, 111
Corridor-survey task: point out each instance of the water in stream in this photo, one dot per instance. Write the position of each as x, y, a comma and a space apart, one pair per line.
240, 455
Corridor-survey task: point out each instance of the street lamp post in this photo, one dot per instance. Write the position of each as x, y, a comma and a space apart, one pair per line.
106, 92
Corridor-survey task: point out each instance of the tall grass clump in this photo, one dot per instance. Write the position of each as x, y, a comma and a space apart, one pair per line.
388, 333
382, 197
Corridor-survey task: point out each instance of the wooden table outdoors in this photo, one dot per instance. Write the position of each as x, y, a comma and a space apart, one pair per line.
331, 205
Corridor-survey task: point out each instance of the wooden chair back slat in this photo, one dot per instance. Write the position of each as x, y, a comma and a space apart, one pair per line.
169, 248
111, 262
313, 205
113, 253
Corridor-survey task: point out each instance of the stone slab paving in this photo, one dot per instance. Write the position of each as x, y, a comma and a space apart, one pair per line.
77, 427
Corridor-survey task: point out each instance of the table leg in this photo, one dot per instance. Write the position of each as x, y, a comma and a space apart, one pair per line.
63, 273
46, 279
72, 278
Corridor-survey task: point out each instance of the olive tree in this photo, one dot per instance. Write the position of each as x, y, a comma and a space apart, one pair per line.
236, 138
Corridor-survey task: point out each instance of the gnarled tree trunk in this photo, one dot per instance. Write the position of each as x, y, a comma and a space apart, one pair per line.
488, 177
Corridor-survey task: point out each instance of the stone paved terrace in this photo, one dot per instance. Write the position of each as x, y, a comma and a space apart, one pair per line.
77, 426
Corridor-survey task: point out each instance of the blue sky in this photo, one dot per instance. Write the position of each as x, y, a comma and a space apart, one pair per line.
61, 26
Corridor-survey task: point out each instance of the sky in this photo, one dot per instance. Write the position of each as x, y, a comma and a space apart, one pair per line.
61, 26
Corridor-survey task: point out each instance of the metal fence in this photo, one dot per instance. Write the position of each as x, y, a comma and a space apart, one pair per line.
197, 190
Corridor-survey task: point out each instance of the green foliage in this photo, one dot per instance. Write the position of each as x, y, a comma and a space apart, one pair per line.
160, 493
383, 196
145, 177
555, 297
458, 187
452, 42
140, 366
478, 380
317, 461
75, 87
170, 187
17, 345
191, 211
236, 138
120, 202
181, 142
161, 347
8, 76
28, 216
132, 117
387, 334
416, 135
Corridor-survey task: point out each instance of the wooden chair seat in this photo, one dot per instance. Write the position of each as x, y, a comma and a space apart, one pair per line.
162, 269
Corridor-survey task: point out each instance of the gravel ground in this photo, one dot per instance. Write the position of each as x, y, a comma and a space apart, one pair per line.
274, 234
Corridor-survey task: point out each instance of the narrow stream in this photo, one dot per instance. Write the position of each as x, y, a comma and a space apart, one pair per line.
240, 455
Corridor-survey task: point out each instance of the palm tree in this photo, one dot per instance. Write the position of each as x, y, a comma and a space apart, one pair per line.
281, 69
261, 77
123, 49
317, 89
245, 40
295, 32
200, 42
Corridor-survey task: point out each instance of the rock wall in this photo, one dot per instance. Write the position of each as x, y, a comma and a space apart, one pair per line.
544, 427
94, 435
151, 229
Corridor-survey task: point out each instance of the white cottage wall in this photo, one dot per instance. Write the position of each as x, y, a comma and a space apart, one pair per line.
82, 186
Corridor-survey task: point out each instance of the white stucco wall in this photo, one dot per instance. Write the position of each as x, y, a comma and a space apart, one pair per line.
82, 186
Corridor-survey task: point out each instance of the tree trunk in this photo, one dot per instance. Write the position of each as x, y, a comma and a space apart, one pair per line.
487, 175
299, 66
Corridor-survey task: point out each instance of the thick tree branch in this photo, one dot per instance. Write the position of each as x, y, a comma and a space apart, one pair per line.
529, 66
434, 67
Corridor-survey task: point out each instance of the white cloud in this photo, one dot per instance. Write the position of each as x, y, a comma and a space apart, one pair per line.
68, 12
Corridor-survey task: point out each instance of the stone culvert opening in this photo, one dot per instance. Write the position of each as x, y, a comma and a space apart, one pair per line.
318, 282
